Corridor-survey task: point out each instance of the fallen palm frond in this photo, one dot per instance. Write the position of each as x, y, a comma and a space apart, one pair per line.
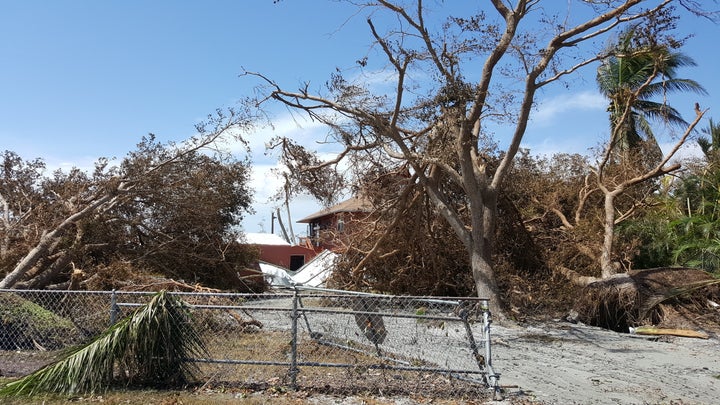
674, 292
150, 347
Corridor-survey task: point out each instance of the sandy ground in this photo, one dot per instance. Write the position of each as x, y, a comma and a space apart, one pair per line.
564, 363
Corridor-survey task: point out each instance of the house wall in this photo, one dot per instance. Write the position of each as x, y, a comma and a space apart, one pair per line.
280, 255
331, 232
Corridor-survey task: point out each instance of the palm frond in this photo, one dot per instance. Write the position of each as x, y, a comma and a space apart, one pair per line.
659, 112
665, 86
150, 347
631, 78
674, 292
710, 145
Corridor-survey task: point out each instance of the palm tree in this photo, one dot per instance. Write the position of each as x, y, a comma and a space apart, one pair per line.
630, 79
710, 146
697, 232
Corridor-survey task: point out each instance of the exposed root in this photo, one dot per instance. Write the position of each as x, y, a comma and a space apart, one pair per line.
609, 303
647, 297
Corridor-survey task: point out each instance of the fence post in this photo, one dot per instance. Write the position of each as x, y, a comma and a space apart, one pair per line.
492, 377
113, 308
486, 331
465, 316
293, 372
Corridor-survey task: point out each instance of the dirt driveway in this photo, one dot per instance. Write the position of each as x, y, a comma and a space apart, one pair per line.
564, 363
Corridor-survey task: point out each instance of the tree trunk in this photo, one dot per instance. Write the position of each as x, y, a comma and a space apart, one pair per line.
490, 213
482, 267
44, 278
607, 266
480, 249
484, 276
28, 261
626, 300
46, 240
5, 243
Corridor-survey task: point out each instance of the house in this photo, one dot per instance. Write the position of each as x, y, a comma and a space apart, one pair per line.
329, 228
275, 250
312, 261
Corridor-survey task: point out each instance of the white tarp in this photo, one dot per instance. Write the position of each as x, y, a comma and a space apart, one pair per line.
276, 275
316, 271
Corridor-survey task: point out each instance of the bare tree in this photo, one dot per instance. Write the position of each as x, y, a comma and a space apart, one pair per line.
481, 68
605, 184
612, 188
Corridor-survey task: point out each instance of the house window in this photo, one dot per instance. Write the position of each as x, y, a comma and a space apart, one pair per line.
296, 261
315, 233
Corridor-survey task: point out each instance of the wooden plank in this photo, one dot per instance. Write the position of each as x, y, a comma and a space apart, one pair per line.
648, 330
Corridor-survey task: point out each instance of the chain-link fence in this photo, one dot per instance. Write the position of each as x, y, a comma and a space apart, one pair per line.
307, 338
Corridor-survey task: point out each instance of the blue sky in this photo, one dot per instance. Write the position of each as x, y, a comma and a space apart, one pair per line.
82, 79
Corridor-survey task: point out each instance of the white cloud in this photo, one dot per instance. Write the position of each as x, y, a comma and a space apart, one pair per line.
266, 183
376, 79
265, 179
548, 147
549, 109
297, 127
690, 150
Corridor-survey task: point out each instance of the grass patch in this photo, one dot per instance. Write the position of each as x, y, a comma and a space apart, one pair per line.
276, 346
147, 397
27, 325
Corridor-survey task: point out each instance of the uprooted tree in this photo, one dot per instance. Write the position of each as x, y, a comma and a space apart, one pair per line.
453, 80
623, 180
167, 209
578, 205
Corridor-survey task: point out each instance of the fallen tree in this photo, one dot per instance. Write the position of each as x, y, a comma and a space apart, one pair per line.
668, 296
169, 209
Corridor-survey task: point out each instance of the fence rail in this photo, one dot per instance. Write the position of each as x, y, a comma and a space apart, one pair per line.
296, 337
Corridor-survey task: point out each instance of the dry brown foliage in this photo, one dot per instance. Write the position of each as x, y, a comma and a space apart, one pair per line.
667, 297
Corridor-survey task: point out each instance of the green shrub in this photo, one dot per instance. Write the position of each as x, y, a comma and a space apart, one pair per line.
25, 325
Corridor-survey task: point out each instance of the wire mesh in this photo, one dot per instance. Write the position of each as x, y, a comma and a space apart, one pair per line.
302, 338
